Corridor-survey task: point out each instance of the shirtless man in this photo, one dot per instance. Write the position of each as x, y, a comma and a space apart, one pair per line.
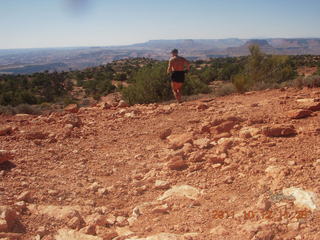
178, 66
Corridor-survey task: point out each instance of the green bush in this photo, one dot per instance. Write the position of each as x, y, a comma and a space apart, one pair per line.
7, 110
225, 89
149, 84
152, 84
193, 85
241, 82
263, 71
27, 109
310, 81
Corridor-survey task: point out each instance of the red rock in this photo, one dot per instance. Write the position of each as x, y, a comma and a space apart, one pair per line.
215, 159
9, 219
5, 156
177, 163
72, 108
205, 127
165, 133
299, 113
106, 233
25, 196
197, 157
122, 104
177, 141
36, 135
75, 223
279, 131
222, 135
90, 230
97, 220
202, 143
74, 120
5, 131
202, 107
224, 127
104, 106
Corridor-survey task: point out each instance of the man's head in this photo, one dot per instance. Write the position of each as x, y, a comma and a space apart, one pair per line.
174, 52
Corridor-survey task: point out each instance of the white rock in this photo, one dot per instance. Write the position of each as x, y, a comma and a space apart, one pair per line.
159, 184
161, 236
123, 231
303, 198
274, 171
67, 234
181, 191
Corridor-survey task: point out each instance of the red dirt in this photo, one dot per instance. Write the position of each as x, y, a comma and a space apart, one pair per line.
109, 163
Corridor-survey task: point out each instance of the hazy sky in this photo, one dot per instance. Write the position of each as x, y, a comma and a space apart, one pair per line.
55, 23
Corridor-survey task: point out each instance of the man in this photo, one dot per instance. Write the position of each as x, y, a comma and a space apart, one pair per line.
178, 66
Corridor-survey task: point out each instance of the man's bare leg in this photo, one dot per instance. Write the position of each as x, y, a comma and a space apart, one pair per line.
176, 89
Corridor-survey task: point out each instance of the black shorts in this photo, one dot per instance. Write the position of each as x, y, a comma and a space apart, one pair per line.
177, 76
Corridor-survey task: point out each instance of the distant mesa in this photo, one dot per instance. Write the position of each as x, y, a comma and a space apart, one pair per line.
27, 61
261, 43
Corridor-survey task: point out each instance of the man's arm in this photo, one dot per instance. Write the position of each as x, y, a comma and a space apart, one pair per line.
169, 70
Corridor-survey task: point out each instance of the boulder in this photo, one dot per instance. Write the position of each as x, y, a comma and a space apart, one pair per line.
122, 104
184, 191
61, 213
303, 198
279, 131
68, 234
8, 219
311, 104
5, 131
25, 196
223, 127
178, 140
202, 106
106, 233
96, 219
5, 156
248, 132
73, 119
177, 163
33, 135
161, 236
104, 106
299, 113
112, 99
216, 159
159, 184
202, 143
165, 133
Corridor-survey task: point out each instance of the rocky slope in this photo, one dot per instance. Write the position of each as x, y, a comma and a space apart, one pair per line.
236, 167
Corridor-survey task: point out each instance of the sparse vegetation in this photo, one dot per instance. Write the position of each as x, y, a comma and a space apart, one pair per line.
263, 71
148, 81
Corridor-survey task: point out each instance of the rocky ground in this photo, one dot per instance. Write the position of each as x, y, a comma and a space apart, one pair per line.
235, 167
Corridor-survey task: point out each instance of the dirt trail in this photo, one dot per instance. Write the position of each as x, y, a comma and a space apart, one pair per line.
235, 167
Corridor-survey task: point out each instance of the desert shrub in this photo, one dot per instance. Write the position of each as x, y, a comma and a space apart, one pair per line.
225, 89
208, 75
7, 110
242, 82
310, 81
120, 76
27, 109
152, 84
313, 81
193, 85
263, 71
149, 84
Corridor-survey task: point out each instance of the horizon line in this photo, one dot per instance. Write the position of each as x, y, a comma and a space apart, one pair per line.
173, 39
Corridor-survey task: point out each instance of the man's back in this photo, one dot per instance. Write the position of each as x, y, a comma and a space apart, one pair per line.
178, 63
